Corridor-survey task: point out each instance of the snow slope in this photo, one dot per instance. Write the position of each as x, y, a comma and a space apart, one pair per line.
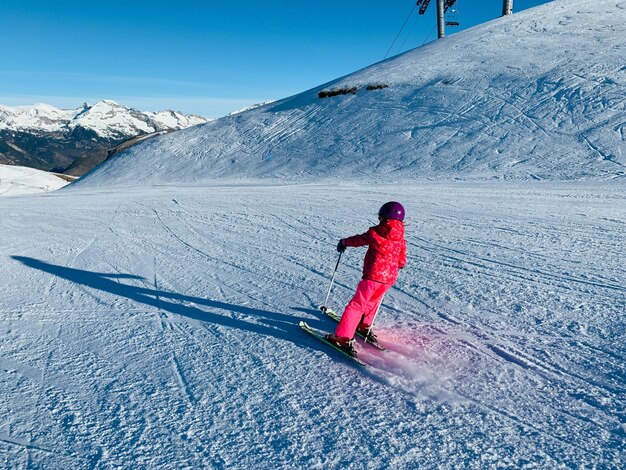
20, 180
537, 95
150, 320
157, 328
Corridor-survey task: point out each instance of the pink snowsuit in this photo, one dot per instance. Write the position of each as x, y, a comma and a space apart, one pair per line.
385, 256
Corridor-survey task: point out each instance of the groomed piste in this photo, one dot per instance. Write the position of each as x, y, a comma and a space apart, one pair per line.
149, 313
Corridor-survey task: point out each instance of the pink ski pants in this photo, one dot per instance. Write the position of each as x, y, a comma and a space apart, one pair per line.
362, 308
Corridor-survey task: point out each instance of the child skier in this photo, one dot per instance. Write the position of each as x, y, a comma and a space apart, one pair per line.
385, 256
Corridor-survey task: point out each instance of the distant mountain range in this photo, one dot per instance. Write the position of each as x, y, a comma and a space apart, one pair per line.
74, 141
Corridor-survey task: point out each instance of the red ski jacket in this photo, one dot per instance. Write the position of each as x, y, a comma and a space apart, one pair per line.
386, 252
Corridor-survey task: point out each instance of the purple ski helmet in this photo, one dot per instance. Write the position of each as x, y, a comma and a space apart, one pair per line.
392, 210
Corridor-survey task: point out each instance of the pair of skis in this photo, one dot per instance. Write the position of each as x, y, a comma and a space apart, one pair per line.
322, 337
332, 314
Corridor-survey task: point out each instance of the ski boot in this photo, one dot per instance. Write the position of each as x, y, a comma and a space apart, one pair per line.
367, 334
346, 346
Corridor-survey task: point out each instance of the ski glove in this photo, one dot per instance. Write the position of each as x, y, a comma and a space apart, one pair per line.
341, 247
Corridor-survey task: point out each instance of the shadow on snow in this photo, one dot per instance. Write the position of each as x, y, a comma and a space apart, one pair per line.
277, 325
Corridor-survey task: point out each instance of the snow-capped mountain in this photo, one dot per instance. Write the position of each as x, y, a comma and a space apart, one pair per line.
76, 140
107, 119
537, 95
165, 120
37, 118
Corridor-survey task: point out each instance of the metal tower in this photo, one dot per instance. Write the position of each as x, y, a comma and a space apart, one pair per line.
507, 7
442, 8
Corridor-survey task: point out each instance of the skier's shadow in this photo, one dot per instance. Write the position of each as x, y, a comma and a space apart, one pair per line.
273, 324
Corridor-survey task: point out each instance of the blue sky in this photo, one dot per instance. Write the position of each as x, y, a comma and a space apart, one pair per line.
202, 57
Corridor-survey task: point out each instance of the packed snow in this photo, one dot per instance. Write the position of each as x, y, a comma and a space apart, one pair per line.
20, 180
149, 313
160, 330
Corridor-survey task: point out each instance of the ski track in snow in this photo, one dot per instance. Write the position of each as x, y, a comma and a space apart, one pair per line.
145, 325
165, 334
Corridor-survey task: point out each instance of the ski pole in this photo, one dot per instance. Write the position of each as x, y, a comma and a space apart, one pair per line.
332, 280
373, 319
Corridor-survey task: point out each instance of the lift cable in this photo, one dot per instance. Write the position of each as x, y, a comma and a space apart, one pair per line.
411, 29
429, 34
399, 32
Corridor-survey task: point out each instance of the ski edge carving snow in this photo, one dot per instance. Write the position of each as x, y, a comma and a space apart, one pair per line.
318, 335
335, 316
